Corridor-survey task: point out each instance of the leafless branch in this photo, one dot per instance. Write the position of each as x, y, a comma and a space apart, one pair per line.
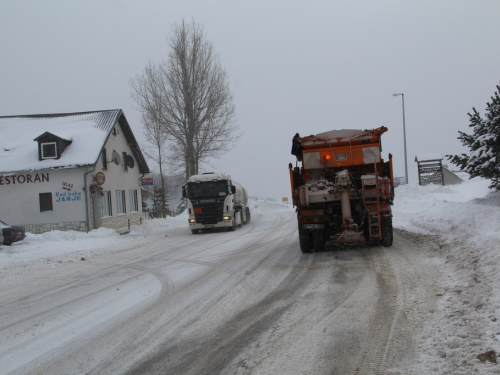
188, 100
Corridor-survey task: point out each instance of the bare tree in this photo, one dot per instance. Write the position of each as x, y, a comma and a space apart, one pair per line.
189, 97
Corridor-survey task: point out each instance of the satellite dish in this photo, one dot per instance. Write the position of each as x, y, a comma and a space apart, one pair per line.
130, 161
115, 158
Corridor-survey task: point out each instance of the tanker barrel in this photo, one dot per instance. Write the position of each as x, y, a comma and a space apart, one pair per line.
241, 195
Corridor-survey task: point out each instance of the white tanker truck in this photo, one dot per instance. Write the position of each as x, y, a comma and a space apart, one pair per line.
215, 201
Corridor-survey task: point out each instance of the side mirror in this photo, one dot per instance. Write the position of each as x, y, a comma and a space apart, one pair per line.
233, 189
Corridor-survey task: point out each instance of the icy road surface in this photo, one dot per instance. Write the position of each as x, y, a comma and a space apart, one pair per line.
243, 302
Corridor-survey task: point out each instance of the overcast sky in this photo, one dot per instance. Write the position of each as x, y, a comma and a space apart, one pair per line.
294, 66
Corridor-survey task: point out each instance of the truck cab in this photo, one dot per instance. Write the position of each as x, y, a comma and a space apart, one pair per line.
215, 201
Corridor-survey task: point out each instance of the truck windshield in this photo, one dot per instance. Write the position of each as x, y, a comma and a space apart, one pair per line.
207, 189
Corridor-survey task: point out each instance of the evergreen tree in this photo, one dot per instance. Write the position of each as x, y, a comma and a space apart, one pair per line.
484, 144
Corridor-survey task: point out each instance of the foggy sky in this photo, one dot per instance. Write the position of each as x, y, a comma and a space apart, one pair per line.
294, 66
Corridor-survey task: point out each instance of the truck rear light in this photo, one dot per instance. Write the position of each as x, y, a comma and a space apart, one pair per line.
312, 212
310, 219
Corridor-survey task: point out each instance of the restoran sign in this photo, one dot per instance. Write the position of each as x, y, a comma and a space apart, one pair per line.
24, 179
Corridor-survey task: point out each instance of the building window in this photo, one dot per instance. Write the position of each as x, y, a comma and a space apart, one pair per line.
120, 202
104, 162
49, 150
106, 204
45, 202
133, 201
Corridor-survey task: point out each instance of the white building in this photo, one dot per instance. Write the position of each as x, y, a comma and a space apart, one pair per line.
65, 171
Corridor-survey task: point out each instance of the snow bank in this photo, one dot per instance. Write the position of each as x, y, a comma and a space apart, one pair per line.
73, 243
160, 225
464, 218
452, 212
263, 205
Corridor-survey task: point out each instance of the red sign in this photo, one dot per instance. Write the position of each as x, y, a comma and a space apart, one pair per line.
146, 181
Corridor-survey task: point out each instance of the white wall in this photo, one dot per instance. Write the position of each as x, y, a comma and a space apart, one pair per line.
119, 179
19, 196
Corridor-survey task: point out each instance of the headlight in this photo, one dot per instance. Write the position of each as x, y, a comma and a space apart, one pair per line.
227, 217
192, 221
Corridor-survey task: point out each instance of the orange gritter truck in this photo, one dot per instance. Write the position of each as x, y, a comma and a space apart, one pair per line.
343, 190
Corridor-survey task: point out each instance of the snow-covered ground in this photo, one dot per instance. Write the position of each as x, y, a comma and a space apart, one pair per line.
459, 226
464, 220
73, 244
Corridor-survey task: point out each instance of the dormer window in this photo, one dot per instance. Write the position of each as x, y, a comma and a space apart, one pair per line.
50, 146
49, 150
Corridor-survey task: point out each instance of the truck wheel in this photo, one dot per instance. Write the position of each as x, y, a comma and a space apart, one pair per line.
387, 235
319, 242
247, 210
194, 231
241, 220
232, 228
305, 241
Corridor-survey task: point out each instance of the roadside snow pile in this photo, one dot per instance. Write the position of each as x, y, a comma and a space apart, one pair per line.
465, 218
451, 212
55, 243
75, 244
68, 243
265, 205
160, 225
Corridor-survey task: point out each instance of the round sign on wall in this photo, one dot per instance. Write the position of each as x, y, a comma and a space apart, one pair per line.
130, 161
100, 178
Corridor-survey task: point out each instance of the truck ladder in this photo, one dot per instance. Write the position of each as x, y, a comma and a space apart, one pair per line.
371, 201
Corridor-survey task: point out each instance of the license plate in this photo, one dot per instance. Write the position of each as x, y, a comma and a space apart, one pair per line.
313, 226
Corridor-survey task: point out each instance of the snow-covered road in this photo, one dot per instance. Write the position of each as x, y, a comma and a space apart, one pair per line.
230, 302
163, 301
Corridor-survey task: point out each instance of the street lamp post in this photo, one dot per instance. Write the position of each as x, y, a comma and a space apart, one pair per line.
404, 134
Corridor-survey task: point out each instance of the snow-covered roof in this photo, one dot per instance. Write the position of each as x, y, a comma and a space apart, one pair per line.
87, 131
428, 157
342, 136
341, 133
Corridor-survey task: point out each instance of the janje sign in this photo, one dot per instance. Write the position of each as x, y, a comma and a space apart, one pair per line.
68, 196
24, 179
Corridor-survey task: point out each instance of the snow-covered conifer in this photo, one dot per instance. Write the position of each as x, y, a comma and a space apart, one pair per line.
484, 144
